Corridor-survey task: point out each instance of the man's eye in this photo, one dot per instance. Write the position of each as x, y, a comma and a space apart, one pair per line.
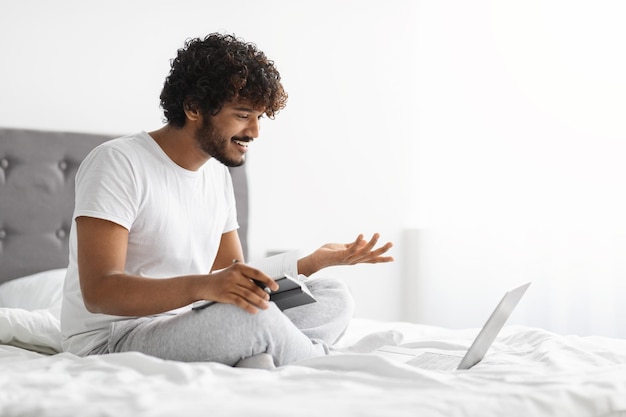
242, 116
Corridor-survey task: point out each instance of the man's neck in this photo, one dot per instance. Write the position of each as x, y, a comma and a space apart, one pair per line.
180, 146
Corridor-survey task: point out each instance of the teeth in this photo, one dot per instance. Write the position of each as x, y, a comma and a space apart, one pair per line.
242, 143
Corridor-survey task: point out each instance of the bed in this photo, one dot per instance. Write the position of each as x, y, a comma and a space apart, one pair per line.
527, 372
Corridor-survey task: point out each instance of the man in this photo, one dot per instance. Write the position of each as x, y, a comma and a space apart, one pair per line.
155, 230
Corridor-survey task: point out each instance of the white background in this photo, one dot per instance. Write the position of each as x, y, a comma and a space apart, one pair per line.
489, 135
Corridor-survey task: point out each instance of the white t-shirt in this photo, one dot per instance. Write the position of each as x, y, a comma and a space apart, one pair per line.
175, 220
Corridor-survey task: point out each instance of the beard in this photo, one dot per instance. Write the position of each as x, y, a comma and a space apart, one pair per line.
216, 145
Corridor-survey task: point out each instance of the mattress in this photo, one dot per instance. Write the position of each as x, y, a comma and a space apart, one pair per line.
527, 372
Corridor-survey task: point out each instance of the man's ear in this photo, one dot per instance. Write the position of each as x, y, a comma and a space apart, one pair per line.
191, 110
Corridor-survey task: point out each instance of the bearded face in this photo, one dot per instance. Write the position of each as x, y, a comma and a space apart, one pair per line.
227, 135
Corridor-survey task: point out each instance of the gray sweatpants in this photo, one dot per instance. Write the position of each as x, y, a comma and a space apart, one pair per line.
225, 333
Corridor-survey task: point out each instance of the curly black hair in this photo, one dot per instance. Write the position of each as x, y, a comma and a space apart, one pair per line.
209, 72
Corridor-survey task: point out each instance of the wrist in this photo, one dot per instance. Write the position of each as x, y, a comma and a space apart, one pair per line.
306, 265
198, 288
313, 262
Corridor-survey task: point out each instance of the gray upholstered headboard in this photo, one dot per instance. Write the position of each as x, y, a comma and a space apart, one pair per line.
37, 170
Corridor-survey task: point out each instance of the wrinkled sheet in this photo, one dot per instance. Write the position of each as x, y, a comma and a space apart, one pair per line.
527, 372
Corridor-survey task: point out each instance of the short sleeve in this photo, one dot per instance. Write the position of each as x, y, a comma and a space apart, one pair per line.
106, 187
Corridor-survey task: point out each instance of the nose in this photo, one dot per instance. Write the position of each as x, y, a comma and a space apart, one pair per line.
253, 127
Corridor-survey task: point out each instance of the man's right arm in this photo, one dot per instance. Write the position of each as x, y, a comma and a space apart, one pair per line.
107, 289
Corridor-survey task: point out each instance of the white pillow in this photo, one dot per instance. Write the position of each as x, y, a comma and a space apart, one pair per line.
37, 330
40, 291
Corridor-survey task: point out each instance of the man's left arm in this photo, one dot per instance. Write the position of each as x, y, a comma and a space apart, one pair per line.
230, 250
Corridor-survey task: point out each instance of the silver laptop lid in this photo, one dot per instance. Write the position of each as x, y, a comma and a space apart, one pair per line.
494, 324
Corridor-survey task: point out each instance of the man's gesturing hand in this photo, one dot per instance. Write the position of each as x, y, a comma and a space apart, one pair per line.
357, 252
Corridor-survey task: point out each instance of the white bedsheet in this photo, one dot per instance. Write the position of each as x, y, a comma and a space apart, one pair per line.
528, 372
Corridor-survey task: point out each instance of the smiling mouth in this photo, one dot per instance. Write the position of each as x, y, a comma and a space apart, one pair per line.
242, 142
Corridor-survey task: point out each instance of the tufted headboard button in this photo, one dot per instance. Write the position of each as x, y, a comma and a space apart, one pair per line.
61, 234
4, 163
3, 234
62, 165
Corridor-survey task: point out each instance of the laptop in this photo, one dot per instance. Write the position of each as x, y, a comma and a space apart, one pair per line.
441, 360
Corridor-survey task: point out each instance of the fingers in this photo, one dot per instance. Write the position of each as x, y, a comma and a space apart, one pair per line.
357, 246
249, 299
236, 285
372, 242
254, 274
251, 288
375, 256
363, 252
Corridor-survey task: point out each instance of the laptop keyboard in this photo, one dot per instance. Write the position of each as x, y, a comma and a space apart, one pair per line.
435, 361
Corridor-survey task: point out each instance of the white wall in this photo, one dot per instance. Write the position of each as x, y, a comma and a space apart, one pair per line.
521, 165
489, 134
334, 163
